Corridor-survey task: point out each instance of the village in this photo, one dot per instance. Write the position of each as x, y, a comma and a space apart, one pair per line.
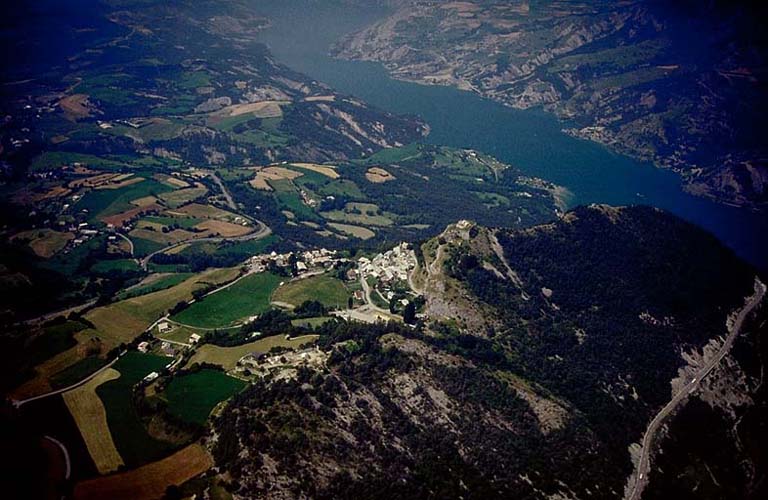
372, 282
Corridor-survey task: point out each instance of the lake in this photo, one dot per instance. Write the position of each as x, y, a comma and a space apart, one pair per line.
532, 140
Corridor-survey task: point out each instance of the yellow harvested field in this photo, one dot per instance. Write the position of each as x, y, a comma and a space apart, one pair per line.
144, 202
55, 192
265, 174
76, 105
260, 182
150, 481
223, 228
177, 249
125, 320
356, 231
91, 418
275, 173
94, 181
121, 184
461, 6
326, 170
171, 180
203, 212
227, 357
321, 98
261, 109
182, 196
378, 175
44, 242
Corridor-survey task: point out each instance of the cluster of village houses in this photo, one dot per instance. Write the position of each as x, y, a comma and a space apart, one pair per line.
262, 364
305, 261
388, 268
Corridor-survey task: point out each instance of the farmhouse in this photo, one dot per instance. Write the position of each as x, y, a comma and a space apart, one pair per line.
168, 349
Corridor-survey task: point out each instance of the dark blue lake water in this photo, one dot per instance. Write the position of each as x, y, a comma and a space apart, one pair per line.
532, 140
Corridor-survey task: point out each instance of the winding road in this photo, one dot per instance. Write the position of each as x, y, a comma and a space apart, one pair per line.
640, 475
262, 232
370, 306
19, 403
227, 196
65, 453
130, 243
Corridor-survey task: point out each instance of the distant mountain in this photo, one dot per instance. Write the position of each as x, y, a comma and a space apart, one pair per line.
181, 81
545, 355
678, 83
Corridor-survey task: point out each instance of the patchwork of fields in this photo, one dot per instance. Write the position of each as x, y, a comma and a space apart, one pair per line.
130, 436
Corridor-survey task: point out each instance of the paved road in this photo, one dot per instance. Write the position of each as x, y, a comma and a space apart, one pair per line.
230, 201
56, 314
262, 232
130, 243
640, 476
369, 303
67, 462
18, 404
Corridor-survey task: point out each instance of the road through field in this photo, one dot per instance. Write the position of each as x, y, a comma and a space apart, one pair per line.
227, 196
127, 239
56, 314
262, 232
640, 475
17, 404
